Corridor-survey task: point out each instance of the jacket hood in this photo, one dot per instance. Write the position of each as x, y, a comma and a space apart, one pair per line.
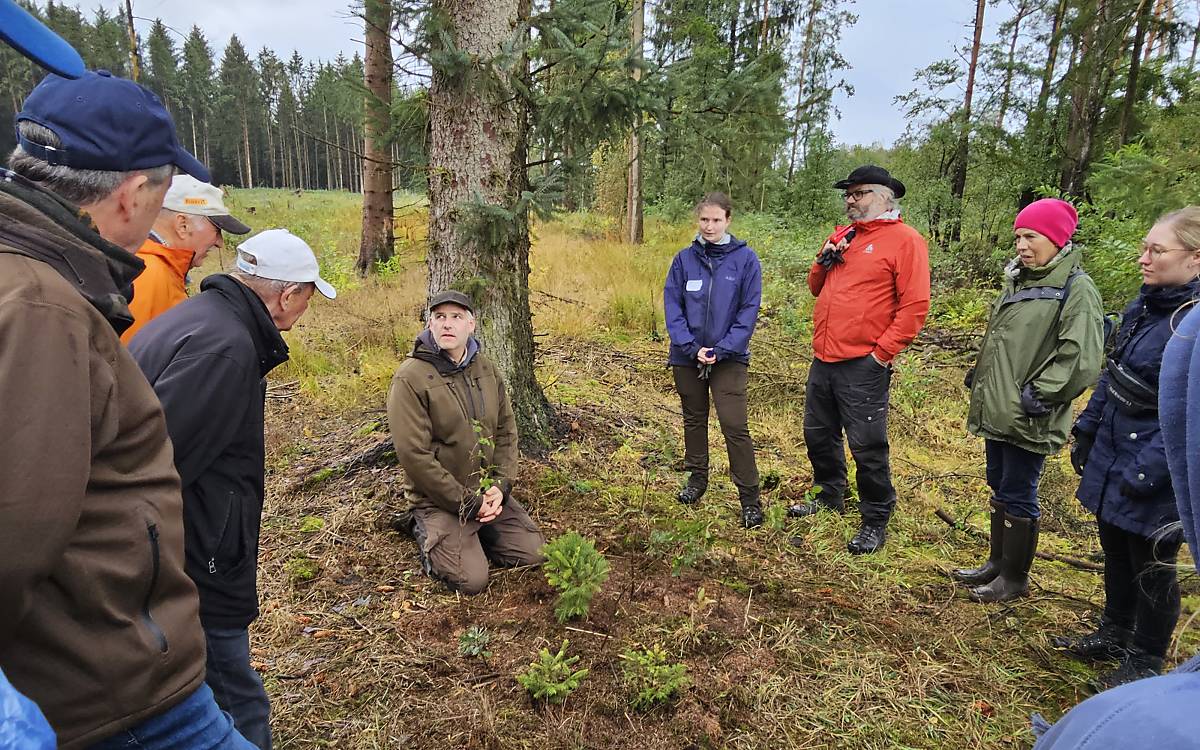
426, 349
885, 218
1170, 297
714, 250
272, 350
40, 225
1066, 257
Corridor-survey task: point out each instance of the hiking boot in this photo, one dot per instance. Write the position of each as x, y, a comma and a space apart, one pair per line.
813, 507
695, 488
868, 539
401, 522
1020, 544
1108, 642
989, 570
1136, 665
752, 516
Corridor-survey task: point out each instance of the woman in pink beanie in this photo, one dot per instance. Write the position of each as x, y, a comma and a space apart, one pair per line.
1041, 350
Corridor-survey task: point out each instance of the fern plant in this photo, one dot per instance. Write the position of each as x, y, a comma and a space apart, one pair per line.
651, 677
553, 676
577, 570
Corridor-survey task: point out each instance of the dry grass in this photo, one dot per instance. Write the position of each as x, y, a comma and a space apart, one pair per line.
788, 645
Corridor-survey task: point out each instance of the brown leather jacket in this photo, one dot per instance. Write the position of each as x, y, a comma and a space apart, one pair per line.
433, 407
99, 625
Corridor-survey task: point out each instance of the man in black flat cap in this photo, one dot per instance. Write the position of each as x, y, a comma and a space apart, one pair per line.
456, 438
871, 281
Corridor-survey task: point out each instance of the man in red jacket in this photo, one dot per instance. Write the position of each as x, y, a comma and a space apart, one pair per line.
871, 281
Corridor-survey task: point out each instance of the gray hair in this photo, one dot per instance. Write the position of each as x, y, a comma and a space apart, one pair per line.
888, 195
269, 287
82, 187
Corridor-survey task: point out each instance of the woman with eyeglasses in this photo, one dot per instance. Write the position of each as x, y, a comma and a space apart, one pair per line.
1042, 349
1120, 458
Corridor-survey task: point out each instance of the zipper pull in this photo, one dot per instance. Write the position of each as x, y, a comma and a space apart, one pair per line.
212, 565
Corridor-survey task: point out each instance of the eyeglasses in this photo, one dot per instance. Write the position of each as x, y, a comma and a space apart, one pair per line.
220, 235
856, 195
1157, 252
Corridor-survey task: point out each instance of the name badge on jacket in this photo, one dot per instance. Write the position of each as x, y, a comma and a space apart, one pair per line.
694, 285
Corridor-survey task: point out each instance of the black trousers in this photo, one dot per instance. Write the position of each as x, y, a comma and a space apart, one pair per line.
1141, 590
851, 397
727, 383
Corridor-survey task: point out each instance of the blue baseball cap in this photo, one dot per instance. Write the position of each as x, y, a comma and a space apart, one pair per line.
32, 38
107, 123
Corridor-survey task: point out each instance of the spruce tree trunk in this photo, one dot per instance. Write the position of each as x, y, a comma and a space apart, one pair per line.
1135, 70
246, 148
805, 53
633, 188
958, 182
377, 239
477, 152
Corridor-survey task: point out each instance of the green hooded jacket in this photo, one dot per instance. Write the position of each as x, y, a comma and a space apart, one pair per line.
1028, 341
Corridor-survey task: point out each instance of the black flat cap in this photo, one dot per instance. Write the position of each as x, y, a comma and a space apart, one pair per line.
869, 174
452, 297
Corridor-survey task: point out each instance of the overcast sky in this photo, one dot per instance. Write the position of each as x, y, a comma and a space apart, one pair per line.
890, 42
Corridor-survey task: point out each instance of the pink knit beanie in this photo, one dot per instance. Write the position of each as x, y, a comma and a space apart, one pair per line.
1054, 219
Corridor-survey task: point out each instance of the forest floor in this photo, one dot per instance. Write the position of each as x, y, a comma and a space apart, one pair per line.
788, 640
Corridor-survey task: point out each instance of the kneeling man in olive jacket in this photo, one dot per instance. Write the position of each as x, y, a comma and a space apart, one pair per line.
456, 437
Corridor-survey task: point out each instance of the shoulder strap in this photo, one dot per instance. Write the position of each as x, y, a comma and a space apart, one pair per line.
1051, 339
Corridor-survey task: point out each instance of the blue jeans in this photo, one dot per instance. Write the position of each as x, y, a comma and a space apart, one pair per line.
237, 687
1013, 475
195, 724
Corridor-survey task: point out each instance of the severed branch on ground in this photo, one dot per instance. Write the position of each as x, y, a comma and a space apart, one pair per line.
380, 453
1052, 556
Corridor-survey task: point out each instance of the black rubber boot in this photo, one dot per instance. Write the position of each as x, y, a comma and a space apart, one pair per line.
695, 488
1108, 642
752, 515
1020, 544
1137, 665
990, 569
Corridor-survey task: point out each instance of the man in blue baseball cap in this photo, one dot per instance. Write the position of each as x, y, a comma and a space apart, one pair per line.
99, 623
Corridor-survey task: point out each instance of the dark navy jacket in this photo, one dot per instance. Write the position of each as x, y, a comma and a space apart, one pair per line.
711, 299
1128, 450
207, 359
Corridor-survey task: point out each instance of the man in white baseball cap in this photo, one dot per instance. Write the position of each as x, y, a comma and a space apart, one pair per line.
187, 228
207, 359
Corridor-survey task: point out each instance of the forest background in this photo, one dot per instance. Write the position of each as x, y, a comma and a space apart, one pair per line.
788, 641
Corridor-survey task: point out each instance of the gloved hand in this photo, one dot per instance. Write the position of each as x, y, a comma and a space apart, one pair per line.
831, 255
1080, 450
704, 370
1031, 403
969, 378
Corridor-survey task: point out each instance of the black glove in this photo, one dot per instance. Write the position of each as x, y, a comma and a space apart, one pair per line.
1080, 450
705, 370
969, 378
1031, 403
830, 257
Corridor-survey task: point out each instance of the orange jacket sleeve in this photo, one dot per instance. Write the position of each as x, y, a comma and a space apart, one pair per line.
912, 292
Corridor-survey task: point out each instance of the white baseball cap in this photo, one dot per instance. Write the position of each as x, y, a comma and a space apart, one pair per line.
279, 255
187, 195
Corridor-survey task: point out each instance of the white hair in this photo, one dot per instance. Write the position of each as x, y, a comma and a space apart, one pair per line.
887, 194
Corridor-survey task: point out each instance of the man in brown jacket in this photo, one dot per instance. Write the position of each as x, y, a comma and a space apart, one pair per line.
99, 623
456, 437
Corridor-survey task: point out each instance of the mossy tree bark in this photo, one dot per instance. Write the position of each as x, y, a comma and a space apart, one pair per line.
478, 213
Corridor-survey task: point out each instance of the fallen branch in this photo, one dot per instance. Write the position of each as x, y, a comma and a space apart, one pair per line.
375, 455
1052, 556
